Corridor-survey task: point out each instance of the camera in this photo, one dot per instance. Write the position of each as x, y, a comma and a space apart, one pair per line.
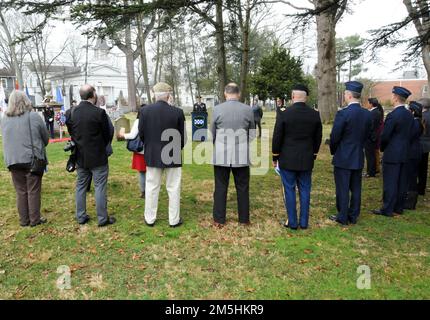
70, 146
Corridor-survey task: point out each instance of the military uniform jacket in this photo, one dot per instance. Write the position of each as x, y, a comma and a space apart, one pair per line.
351, 129
297, 137
397, 135
200, 107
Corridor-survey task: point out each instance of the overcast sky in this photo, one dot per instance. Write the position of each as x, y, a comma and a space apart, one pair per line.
366, 15
373, 14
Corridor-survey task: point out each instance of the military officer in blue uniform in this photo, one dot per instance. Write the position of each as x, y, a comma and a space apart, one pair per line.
351, 129
395, 143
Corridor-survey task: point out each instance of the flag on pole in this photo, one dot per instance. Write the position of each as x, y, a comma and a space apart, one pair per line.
59, 97
2, 98
2, 95
16, 84
27, 92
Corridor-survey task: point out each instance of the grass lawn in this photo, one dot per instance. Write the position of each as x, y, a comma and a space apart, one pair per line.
196, 261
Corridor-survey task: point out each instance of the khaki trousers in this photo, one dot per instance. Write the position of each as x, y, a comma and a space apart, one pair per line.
173, 187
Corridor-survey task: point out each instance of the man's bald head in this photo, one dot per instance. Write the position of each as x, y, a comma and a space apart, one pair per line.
299, 96
88, 93
232, 91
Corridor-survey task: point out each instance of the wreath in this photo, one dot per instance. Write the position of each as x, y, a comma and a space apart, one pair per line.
60, 118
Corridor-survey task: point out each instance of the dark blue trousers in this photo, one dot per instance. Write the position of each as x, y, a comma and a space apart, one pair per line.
348, 194
302, 180
395, 187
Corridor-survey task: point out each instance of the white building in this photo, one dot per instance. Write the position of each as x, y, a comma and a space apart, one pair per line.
105, 70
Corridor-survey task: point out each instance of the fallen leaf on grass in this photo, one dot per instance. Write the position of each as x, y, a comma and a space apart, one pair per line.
303, 261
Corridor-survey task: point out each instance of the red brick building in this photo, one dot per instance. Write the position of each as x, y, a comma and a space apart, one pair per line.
382, 89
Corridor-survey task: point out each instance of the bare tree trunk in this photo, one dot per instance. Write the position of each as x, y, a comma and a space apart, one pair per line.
131, 82
143, 60
157, 61
426, 60
187, 64
195, 66
15, 62
172, 68
418, 11
245, 53
163, 50
143, 35
221, 55
326, 69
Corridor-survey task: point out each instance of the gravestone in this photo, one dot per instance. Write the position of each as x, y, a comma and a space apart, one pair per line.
121, 122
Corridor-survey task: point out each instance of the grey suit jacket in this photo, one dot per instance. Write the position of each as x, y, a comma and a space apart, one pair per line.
233, 128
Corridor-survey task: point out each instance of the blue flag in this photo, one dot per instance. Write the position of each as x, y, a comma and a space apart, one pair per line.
60, 98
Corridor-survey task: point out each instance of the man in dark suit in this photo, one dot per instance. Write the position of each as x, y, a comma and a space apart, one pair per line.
414, 156
89, 128
296, 142
49, 115
162, 131
351, 129
258, 116
395, 142
371, 143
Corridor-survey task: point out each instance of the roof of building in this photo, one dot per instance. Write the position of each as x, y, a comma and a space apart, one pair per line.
4, 72
80, 72
102, 45
53, 69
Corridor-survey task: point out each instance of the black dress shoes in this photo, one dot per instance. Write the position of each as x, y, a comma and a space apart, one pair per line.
41, 221
109, 221
287, 226
151, 225
85, 221
336, 219
380, 213
352, 221
180, 223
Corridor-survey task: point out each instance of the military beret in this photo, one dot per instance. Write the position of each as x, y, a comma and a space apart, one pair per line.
354, 86
403, 92
162, 87
416, 107
301, 87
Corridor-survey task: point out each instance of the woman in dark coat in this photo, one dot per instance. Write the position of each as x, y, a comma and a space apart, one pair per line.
415, 154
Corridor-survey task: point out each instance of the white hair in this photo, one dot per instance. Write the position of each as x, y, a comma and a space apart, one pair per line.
300, 96
164, 96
